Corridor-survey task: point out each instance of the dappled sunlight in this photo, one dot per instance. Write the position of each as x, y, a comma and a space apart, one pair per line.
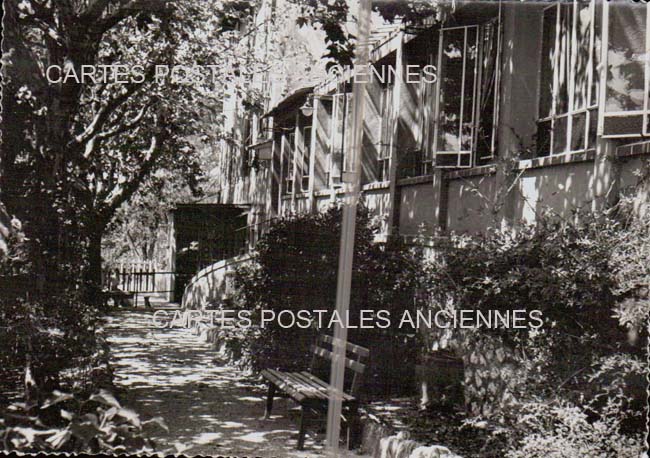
210, 408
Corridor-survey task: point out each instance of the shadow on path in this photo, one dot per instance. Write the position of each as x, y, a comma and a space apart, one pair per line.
210, 408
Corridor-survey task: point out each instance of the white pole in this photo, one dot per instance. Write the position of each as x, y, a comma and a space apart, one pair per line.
351, 198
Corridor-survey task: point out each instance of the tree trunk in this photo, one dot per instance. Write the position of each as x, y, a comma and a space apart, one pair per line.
94, 269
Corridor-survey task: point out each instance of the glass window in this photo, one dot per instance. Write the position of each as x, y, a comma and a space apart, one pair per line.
457, 64
305, 163
625, 111
287, 162
570, 50
340, 135
626, 58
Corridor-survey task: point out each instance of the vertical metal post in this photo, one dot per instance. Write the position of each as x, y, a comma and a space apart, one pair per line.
351, 183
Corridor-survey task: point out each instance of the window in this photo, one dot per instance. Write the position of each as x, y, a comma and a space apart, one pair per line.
385, 131
341, 128
305, 162
626, 106
458, 55
289, 141
466, 104
569, 80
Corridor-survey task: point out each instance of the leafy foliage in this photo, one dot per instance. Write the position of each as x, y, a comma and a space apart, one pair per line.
565, 270
295, 268
584, 392
334, 17
94, 424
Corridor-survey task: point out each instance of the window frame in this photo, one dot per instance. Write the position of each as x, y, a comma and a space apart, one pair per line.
591, 108
460, 154
341, 94
385, 131
645, 112
305, 159
430, 133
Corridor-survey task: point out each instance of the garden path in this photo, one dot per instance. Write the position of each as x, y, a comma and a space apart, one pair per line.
209, 407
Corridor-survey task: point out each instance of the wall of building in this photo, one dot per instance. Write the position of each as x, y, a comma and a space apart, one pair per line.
471, 203
417, 209
377, 201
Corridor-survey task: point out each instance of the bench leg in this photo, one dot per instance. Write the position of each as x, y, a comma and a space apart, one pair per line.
354, 426
269, 400
303, 424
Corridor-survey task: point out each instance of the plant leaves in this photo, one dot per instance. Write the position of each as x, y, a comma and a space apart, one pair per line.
106, 398
57, 396
158, 421
59, 439
131, 416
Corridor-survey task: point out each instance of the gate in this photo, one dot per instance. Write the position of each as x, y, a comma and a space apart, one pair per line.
138, 278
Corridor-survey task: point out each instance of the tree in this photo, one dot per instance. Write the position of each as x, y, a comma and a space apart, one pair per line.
74, 150
334, 17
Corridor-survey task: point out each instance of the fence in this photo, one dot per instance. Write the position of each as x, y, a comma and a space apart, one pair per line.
137, 277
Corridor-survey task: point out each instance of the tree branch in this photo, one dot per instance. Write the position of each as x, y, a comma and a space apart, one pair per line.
131, 8
122, 192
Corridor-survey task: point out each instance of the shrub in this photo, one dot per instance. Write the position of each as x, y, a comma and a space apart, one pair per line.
583, 392
44, 332
563, 269
560, 429
93, 424
295, 267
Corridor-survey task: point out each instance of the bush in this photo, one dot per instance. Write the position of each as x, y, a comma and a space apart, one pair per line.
561, 429
583, 394
66, 422
565, 270
295, 267
44, 332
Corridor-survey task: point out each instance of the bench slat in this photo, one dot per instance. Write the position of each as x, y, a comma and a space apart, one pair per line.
278, 380
306, 387
313, 378
320, 385
295, 386
349, 363
301, 386
352, 348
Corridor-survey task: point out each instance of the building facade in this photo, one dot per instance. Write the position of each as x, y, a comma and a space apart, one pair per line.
488, 118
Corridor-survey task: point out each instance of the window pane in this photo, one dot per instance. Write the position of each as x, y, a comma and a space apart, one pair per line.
564, 59
548, 62
583, 41
559, 135
489, 37
451, 71
623, 125
544, 138
578, 132
625, 58
471, 56
598, 20
593, 128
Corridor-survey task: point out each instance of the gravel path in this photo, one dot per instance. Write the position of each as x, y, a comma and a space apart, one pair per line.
210, 408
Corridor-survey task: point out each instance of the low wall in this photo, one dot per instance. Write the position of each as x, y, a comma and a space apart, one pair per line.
211, 285
380, 440
492, 371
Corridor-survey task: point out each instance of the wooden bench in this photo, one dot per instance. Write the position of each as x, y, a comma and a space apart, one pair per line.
313, 393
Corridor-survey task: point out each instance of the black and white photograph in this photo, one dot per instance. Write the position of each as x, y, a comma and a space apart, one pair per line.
325, 228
